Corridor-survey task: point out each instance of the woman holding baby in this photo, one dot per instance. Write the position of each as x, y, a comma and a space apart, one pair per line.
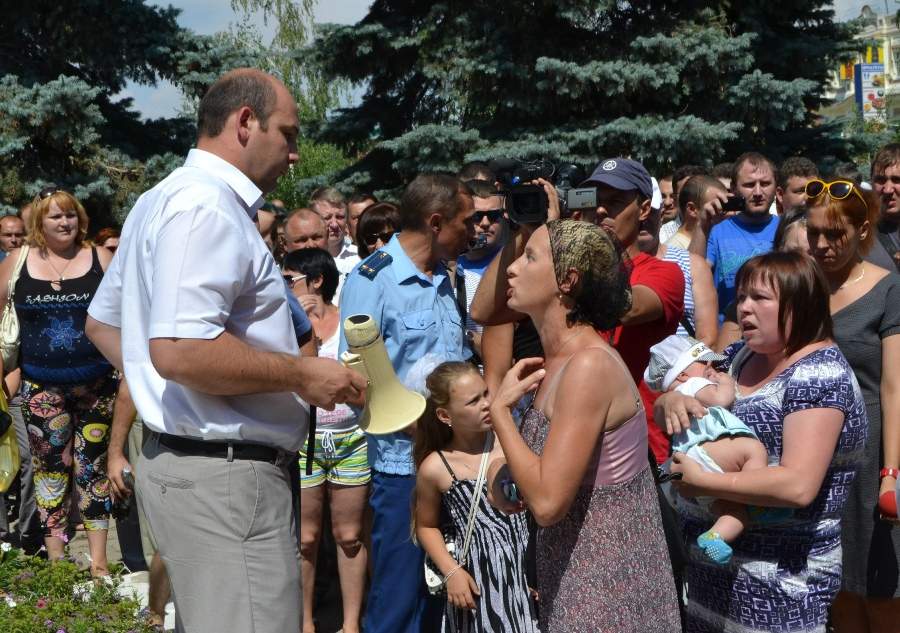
796, 392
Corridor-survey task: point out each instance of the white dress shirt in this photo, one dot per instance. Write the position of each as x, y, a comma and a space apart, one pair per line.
345, 261
191, 264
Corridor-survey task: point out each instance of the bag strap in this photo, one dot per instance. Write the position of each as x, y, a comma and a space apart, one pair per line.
11, 287
479, 484
687, 326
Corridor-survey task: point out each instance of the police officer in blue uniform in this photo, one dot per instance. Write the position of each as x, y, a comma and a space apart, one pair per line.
406, 288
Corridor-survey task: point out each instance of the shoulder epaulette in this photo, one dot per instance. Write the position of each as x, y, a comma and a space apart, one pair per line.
374, 264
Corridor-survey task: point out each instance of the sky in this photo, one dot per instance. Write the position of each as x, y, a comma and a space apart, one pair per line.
210, 16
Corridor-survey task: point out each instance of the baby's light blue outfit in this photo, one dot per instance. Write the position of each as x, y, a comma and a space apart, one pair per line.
718, 422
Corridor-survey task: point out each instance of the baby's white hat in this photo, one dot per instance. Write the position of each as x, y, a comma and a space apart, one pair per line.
671, 356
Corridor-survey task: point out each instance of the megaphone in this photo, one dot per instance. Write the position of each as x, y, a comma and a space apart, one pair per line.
390, 407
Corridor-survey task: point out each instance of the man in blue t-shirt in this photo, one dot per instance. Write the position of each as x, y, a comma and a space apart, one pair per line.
728, 239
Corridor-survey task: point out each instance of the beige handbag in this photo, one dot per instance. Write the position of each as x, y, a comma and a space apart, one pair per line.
9, 323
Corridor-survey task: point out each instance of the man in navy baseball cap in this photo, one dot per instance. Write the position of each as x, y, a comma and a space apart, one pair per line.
624, 192
624, 198
623, 174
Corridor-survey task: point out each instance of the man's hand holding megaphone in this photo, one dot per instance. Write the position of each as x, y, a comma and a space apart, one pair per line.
324, 382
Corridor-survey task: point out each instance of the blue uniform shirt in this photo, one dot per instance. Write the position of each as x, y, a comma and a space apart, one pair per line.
417, 315
300, 320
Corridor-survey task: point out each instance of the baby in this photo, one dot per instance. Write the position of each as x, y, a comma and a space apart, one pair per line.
718, 441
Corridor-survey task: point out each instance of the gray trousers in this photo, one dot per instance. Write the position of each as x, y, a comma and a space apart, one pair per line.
29, 527
228, 537
136, 440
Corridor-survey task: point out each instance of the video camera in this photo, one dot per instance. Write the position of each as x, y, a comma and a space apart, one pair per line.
528, 204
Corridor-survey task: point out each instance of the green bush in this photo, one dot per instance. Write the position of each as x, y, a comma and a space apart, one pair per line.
39, 596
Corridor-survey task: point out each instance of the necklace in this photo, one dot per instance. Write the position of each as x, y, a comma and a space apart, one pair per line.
569, 338
853, 281
56, 284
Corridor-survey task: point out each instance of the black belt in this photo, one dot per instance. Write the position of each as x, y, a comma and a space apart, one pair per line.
191, 446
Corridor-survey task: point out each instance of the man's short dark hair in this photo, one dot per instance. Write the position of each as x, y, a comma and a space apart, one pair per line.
233, 91
754, 158
886, 156
723, 170
315, 263
686, 171
362, 196
476, 170
848, 171
482, 188
695, 189
429, 194
796, 166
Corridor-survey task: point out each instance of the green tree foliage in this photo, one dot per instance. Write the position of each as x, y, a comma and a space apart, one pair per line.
62, 63
315, 93
293, 19
667, 82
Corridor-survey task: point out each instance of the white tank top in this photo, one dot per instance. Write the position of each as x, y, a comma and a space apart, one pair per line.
342, 418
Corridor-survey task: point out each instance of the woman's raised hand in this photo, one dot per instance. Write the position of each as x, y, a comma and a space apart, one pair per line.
689, 470
524, 376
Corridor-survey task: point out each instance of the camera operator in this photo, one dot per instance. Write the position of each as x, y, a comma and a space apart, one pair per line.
623, 193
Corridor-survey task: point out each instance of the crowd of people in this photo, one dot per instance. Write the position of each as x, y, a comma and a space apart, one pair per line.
676, 408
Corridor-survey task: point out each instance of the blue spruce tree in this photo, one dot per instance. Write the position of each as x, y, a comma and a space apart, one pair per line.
574, 80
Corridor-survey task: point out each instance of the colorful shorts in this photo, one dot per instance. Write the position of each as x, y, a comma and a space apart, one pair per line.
341, 458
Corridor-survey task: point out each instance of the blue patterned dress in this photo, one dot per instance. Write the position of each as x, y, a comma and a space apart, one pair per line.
784, 576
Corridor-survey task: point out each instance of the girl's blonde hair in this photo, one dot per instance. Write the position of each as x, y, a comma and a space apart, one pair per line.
41, 207
432, 434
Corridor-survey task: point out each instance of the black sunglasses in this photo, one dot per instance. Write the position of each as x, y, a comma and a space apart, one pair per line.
290, 280
48, 191
384, 236
493, 215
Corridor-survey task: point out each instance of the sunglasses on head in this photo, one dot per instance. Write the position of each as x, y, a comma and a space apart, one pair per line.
493, 215
290, 280
48, 191
384, 236
837, 189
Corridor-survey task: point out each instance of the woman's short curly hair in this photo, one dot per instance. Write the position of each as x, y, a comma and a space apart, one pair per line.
602, 294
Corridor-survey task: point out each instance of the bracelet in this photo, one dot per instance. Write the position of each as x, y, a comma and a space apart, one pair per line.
451, 572
889, 472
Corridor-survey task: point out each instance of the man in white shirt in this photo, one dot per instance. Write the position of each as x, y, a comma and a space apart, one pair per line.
329, 203
194, 310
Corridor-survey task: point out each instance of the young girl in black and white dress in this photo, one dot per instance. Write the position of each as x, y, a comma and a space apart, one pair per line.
488, 594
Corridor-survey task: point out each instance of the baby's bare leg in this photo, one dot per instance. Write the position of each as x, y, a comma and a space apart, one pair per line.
734, 454
732, 519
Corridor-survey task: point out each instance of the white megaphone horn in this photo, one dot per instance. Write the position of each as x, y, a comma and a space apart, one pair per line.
390, 406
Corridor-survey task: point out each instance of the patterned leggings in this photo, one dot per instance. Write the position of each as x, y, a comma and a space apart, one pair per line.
68, 431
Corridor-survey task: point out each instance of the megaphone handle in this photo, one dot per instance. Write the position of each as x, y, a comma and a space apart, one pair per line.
311, 440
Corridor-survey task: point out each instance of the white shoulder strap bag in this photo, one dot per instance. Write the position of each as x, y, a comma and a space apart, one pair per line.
9, 323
